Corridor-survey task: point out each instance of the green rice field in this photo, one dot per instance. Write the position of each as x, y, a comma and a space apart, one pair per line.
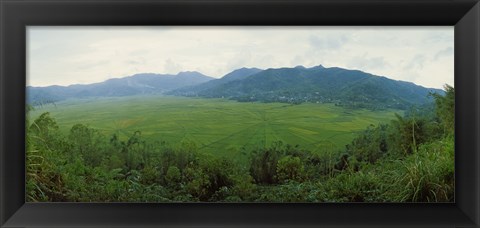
218, 126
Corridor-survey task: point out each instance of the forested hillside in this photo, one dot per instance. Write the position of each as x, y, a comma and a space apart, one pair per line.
348, 88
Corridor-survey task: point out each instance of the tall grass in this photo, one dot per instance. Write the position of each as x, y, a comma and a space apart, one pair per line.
425, 176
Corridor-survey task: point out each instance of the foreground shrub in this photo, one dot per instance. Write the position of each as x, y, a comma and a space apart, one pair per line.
263, 164
290, 169
290, 191
426, 176
352, 187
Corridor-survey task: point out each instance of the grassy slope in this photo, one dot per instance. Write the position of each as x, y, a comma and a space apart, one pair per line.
218, 126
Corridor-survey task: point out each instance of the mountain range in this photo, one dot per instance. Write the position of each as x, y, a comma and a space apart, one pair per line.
344, 87
146, 83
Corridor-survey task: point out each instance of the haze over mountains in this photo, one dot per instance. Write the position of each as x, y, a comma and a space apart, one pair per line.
296, 85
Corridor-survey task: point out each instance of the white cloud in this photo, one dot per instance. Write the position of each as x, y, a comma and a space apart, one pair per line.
70, 55
172, 67
366, 62
447, 52
328, 42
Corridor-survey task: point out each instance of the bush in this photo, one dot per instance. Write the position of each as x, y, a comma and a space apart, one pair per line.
263, 166
289, 192
244, 188
44, 181
370, 145
290, 169
173, 176
149, 175
352, 187
198, 184
86, 142
263, 163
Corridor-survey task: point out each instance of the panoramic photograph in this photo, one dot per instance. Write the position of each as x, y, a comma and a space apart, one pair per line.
240, 114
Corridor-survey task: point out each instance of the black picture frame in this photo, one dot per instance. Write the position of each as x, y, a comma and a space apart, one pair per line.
16, 14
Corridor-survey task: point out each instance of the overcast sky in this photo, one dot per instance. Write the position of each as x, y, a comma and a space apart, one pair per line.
79, 55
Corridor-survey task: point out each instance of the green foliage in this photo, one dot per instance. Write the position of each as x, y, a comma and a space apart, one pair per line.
44, 125
353, 187
407, 134
370, 145
289, 192
325, 163
180, 158
198, 183
290, 169
43, 181
86, 142
244, 187
219, 172
150, 175
445, 109
173, 175
263, 164
427, 176
408, 160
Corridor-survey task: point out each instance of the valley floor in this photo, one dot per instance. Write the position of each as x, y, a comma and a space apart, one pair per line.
216, 125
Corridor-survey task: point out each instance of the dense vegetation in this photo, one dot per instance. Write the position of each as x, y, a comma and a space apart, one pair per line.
410, 159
